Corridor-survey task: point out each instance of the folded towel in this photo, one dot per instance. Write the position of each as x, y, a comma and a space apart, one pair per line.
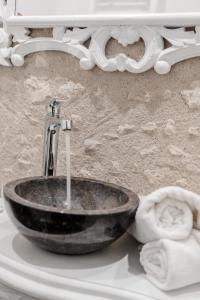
169, 212
172, 264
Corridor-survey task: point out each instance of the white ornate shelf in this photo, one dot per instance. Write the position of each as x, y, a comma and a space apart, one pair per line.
114, 273
16, 41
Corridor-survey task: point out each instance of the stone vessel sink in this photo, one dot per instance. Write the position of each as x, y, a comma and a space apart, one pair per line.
100, 213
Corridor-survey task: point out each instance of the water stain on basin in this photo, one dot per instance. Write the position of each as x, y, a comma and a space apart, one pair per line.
100, 213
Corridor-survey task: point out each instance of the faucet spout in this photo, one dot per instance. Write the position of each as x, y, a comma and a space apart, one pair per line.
51, 137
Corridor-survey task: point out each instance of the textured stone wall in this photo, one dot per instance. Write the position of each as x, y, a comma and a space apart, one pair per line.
141, 131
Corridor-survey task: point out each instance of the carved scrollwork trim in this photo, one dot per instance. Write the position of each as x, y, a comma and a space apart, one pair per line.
183, 45
5, 49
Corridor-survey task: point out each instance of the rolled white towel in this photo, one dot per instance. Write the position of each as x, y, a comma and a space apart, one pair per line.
172, 264
169, 212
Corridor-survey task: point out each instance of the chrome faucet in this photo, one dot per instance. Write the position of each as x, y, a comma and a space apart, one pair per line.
53, 124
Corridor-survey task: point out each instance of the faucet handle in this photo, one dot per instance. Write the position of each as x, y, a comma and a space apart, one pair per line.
54, 108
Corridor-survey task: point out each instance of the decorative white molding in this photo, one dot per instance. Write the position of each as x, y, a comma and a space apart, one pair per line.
183, 45
5, 49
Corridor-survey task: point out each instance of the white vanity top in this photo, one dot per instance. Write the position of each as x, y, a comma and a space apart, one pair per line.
114, 273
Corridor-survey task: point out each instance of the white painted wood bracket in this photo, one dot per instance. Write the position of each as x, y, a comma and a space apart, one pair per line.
16, 43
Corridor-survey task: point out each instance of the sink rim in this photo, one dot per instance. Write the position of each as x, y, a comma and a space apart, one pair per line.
131, 204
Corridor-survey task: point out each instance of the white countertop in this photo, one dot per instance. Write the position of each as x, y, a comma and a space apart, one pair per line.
114, 273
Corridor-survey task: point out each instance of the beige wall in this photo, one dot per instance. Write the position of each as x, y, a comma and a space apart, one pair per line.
144, 130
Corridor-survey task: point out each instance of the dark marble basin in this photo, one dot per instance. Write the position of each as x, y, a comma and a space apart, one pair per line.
100, 213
